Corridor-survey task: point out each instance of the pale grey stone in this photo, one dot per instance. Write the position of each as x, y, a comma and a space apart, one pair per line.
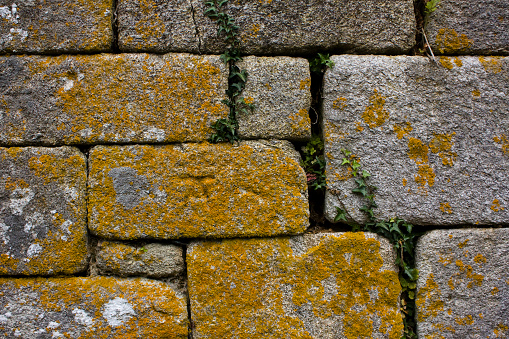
156, 26
469, 27
56, 26
254, 188
42, 211
279, 88
106, 98
463, 286
437, 148
99, 307
311, 286
269, 27
151, 260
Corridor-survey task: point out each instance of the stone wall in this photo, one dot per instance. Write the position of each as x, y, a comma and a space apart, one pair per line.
119, 219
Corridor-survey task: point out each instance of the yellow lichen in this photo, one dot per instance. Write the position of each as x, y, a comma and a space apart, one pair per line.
476, 93
494, 290
446, 62
359, 127
458, 62
491, 64
500, 331
375, 114
405, 181
402, 129
463, 321
479, 258
339, 103
502, 139
496, 207
445, 207
428, 301
425, 175
417, 151
442, 144
449, 41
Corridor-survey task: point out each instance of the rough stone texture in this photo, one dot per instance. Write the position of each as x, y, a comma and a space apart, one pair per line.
433, 136
197, 190
280, 90
42, 211
110, 98
97, 307
469, 27
151, 260
157, 26
463, 286
342, 285
56, 26
295, 27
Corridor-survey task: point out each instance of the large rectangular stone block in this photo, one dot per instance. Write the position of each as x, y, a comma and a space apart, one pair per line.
342, 285
463, 286
42, 211
197, 190
157, 26
89, 99
473, 27
271, 27
56, 26
432, 136
279, 88
96, 307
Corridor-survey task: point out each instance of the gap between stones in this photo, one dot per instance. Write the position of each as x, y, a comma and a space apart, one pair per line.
114, 27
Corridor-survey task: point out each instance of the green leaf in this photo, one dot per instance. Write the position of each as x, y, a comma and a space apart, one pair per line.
340, 215
365, 174
345, 161
411, 295
361, 191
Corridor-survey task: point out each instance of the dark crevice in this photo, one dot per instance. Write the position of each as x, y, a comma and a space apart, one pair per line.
196, 28
419, 18
188, 299
115, 27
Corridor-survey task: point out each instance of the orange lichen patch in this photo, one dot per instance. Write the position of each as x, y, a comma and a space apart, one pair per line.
500, 331
458, 62
44, 166
491, 64
496, 207
255, 274
417, 151
467, 320
300, 122
158, 312
480, 259
449, 41
405, 181
428, 300
425, 175
442, 144
343, 173
494, 290
477, 279
502, 139
375, 114
333, 131
463, 243
359, 126
402, 129
476, 93
305, 84
445, 207
12, 183
451, 283
446, 62
198, 190
339, 103
249, 100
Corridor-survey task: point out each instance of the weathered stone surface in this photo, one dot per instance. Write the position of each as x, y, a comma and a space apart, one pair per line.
197, 190
56, 26
463, 286
433, 137
473, 27
97, 307
342, 285
280, 90
295, 27
42, 211
152, 260
110, 98
157, 26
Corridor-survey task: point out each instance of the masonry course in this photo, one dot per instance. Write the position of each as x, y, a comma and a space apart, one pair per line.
42, 211
108, 98
473, 27
341, 285
432, 135
95, 307
56, 26
463, 286
197, 190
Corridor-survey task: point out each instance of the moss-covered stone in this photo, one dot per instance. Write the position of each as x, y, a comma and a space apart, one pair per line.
89, 99
279, 89
42, 211
56, 26
99, 308
197, 190
463, 286
342, 285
